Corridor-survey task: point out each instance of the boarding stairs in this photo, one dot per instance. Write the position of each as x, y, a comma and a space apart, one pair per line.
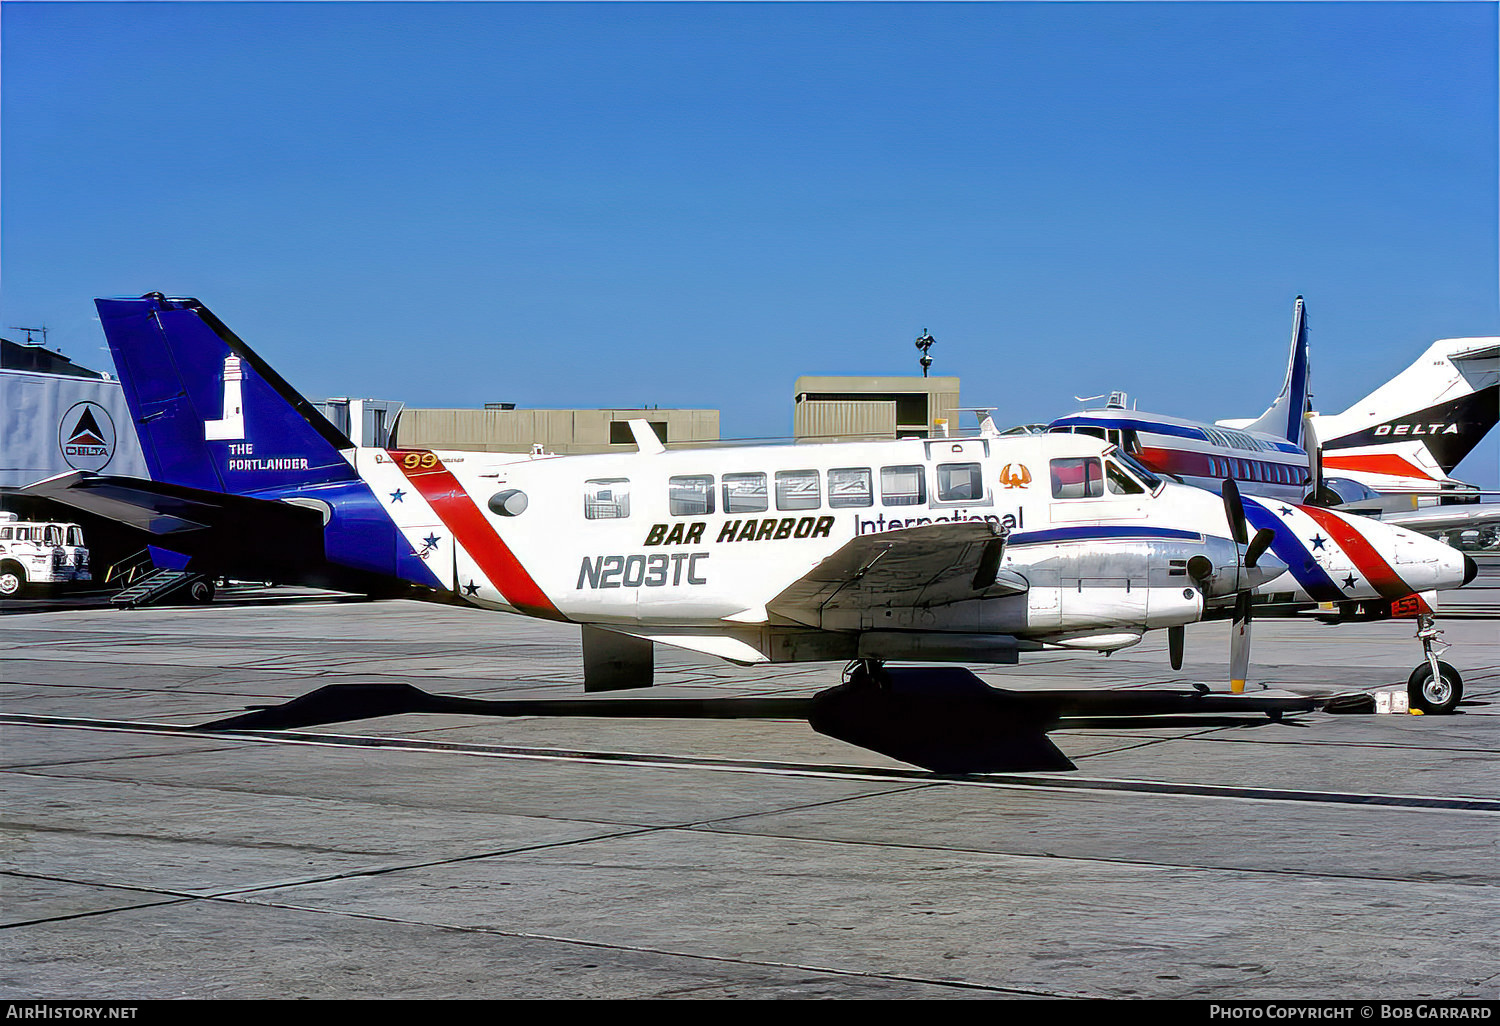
158, 586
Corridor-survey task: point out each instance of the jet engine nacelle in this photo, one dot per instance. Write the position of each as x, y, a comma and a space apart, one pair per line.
1339, 491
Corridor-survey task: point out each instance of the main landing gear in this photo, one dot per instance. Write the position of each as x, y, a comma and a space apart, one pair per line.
867, 673
1433, 687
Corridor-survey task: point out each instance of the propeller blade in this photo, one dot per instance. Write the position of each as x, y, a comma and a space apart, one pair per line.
1258, 546
1314, 461
1234, 511
1175, 637
1239, 643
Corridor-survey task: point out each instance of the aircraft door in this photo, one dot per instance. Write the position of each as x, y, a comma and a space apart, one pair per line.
1043, 599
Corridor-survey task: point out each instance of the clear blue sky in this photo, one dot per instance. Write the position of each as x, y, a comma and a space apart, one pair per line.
692, 204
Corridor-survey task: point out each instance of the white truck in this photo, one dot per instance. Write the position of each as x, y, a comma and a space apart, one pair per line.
39, 552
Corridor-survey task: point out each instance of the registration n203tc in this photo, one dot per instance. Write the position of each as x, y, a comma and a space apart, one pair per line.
659, 570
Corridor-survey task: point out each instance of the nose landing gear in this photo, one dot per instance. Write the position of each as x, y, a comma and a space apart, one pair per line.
1434, 686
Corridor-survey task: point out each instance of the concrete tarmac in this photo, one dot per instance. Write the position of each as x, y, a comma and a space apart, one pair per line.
445, 856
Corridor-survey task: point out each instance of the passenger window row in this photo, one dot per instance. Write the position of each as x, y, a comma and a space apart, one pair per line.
693, 495
1255, 470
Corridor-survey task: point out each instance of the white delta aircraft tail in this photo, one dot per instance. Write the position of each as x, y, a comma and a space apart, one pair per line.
963, 550
1410, 433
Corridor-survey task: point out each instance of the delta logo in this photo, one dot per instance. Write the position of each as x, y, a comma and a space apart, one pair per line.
86, 436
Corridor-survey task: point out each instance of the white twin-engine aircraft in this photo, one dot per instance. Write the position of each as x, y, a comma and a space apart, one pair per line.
940, 550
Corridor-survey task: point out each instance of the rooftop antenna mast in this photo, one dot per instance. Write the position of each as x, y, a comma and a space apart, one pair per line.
924, 343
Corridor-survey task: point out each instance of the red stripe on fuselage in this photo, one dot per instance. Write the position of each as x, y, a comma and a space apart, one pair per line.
1376, 463
1369, 562
457, 510
1192, 463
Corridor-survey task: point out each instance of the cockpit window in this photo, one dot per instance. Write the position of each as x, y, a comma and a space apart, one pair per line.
1120, 483
1077, 478
1138, 470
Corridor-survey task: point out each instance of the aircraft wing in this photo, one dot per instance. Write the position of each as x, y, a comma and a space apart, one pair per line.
918, 566
1441, 519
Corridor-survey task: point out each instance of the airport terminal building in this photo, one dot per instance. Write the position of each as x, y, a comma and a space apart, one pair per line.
56, 417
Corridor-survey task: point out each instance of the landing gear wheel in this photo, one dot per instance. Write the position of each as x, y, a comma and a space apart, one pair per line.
12, 582
201, 592
1437, 696
866, 673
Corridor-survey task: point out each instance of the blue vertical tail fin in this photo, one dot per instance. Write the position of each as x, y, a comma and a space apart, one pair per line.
209, 412
1285, 417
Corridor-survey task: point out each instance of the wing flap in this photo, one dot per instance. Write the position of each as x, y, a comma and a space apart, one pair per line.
918, 566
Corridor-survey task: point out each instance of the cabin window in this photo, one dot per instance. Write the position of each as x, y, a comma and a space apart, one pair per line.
959, 482
690, 496
745, 493
797, 489
606, 498
902, 486
6, 533
75, 536
1077, 478
1120, 483
850, 486
53, 535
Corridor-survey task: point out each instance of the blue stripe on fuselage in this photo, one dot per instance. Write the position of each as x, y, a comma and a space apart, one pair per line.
1291, 551
1099, 533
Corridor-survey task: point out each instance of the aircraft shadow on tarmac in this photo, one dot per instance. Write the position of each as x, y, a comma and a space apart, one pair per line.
942, 719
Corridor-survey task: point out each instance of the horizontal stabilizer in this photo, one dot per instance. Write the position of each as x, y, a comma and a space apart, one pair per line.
223, 530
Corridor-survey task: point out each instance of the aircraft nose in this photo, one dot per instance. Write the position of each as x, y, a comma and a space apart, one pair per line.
1453, 569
